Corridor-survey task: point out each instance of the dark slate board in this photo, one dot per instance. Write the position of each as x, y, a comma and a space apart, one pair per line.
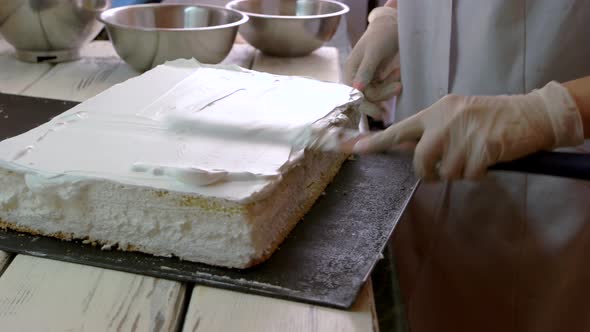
324, 261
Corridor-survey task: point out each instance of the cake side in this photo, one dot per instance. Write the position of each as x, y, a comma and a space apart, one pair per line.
128, 217
290, 203
162, 223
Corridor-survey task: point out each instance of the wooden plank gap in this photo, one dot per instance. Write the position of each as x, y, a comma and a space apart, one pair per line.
188, 291
5, 260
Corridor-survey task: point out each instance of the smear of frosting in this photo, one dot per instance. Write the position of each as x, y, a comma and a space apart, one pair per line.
200, 177
23, 152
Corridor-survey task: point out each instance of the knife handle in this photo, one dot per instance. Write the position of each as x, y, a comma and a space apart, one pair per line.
562, 164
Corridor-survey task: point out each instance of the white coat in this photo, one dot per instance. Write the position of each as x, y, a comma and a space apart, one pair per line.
508, 253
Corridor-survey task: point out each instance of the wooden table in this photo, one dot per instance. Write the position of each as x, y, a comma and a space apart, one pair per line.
40, 294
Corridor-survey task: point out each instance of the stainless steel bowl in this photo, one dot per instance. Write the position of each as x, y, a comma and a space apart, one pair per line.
145, 36
289, 28
50, 30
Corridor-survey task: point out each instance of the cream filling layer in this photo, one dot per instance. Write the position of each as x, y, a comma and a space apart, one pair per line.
127, 134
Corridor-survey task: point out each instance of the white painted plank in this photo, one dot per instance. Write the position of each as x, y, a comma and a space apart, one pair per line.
81, 79
221, 310
43, 295
241, 54
44, 80
100, 69
322, 65
16, 76
98, 49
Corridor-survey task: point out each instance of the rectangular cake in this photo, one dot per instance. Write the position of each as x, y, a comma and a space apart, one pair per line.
119, 171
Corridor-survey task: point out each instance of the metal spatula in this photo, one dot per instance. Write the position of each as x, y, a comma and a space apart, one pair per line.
563, 164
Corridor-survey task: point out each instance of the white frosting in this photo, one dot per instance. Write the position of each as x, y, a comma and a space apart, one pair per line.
315, 135
134, 133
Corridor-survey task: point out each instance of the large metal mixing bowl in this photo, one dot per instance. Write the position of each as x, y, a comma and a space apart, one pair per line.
50, 30
289, 28
145, 36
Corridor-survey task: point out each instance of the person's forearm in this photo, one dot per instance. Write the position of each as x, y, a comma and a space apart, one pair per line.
580, 90
391, 3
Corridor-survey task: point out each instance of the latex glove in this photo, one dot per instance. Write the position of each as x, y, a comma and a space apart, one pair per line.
460, 137
373, 65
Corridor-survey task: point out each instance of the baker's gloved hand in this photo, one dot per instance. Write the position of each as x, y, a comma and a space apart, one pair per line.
373, 65
460, 137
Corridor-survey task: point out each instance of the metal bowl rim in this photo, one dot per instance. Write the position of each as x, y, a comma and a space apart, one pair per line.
345, 9
103, 20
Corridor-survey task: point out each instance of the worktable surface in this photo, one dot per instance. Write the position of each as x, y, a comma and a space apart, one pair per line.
42, 294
